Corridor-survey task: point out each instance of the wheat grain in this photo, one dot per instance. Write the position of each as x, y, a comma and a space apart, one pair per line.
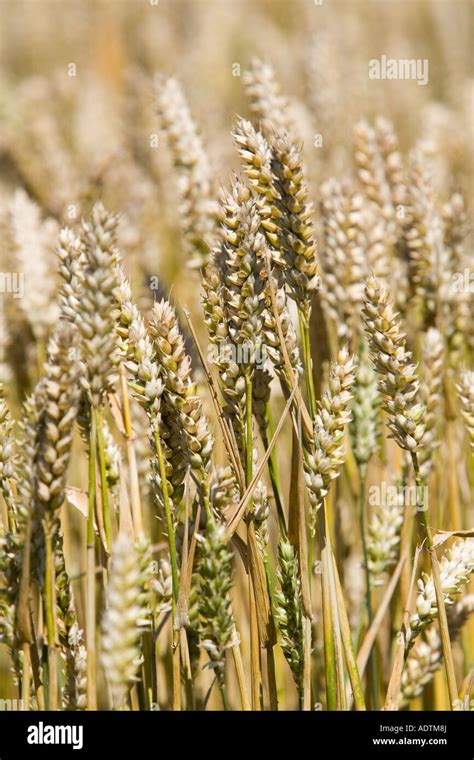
296, 238
398, 381
267, 103
430, 394
33, 241
426, 657
342, 257
383, 540
288, 609
216, 624
8, 456
59, 397
456, 231
123, 620
363, 426
326, 453
423, 235
70, 252
392, 159
456, 567
371, 170
197, 208
95, 320
182, 407
466, 396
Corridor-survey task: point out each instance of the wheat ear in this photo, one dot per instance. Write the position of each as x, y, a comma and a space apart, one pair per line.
124, 620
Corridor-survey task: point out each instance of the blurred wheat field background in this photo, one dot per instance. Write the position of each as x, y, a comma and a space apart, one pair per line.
236, 355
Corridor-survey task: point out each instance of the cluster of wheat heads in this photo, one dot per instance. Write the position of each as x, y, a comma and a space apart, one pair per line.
244, 505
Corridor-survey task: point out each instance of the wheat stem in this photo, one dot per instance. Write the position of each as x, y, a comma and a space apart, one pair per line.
104, 493
26, 677
274, 475
329, 646
50, 606
131, 456
90, 594
254, 632
174, 570
442, 616
308, 363
239, 670
351, 662
368, 589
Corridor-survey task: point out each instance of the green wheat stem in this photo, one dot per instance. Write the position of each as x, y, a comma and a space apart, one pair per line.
90, 575
225, 701
308, 369
248, 427
308, 362
368, 585
206, 500
168, 519
329, 650
274, 474
99, 412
